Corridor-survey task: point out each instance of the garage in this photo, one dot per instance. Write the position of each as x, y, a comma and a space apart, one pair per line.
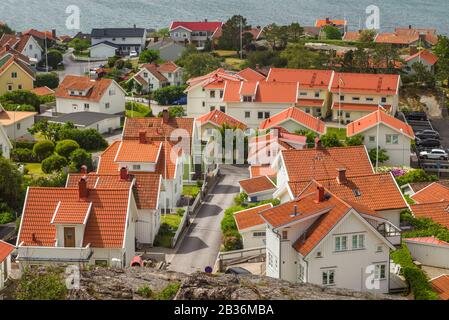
102, 122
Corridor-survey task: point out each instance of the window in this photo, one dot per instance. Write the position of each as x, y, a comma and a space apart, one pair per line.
107, 105
369, 99
355, 98
259, 234
204, 104
145, 74
348, 115
317, 94
31, 47
379, 272
267, 115
136, 167
303, 94
307, 110
86, 106
384, 100
212, 94
392, 139
328, 277
247, 114
284, 235
342, 98
247, 99
260, 115
13, 75
212, 108
18, 126
112, 92
379, 248
358, 241
301, 273
9, 87
270, 260
221, 93
223, 109
20, 87
341, 243
372, 139
72, 93
319, 254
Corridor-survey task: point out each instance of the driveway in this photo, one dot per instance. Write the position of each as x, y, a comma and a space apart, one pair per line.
77, 68
201, 244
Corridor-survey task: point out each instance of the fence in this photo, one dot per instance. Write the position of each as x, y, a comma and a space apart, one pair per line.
230, 257
182, 225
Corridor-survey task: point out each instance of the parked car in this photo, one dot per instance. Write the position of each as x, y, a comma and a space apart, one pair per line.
133, 54
428, 134
434, 154
237, 271
416, 116
428, 143
44, 68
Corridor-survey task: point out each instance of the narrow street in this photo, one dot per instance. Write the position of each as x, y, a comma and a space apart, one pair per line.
201, 244
77, 68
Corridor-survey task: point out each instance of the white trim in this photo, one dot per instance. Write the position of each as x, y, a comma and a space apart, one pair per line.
125, 232
56, 211
23, 215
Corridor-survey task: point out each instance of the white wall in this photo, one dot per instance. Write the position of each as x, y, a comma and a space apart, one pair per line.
5, 267
429, 254
252, 241
104, 125
20, 128
272, 243
102, 51
5, 146
33, 50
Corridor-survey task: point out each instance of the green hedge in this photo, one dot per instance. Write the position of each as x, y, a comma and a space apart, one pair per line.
417, 279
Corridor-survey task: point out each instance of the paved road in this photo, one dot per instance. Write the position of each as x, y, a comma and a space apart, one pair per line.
201, 245
72, 67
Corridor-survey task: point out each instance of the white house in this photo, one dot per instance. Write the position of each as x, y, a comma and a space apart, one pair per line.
5, 143
77, 94
75, 226
425, 57
355, 95
379, 129
5, 262
320, 239
429, 251
16, 123
197, 33
258, 188
252, 227
124, 40
24, 44
152, 76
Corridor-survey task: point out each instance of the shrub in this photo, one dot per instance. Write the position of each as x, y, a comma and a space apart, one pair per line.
149, 56
79, 158
168, 95
330, 140
53, 163
24, 144
145, 291
65, 147
240, 198
50, 80
88, 139
119, 64
180, 212
54, 58
43, 149
232, 241
23, 155
382, 157
37, 285
169, 292
414, 176
55, 180
20, 97
6, 217
112, 61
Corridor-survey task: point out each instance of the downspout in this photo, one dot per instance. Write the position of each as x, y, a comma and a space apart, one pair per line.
280, 254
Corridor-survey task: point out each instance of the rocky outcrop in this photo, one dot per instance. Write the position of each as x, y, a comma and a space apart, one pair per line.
129, 284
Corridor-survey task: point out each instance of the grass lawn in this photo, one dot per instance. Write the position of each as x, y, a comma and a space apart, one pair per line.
34, 169
134, 114
235, 63
190, 191
169, 226
225, 53
139, 111
341, 133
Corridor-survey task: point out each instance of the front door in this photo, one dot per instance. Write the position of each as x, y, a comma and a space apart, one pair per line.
69, 237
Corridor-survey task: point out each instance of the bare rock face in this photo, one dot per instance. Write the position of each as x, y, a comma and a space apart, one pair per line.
107, 284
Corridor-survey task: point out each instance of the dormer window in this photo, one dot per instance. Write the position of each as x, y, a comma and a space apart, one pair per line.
247, 99
136, 167
72, 93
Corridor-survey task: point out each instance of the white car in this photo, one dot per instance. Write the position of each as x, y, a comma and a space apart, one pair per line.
133, 54
435, 154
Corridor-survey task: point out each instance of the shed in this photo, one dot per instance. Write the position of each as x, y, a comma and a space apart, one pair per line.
102, 122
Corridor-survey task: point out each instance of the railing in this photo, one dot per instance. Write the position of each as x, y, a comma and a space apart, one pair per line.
55, 254
181, 227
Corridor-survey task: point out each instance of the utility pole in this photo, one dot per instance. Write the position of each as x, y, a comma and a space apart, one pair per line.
46, 52
241, 38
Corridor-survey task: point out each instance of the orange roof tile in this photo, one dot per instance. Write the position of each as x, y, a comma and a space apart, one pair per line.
10, 117
351, 36
297, 115
437, 211
257, 184
134, 151
434, 192
324, 22
308, 79
168, 67
43, 91
251, 75
97, 88
424, 55
314, 103
106, 164
250, 218
364, 83
428, 240
71, 212
219, 118
376, 117
358, 107
322, 163
156, 128
267, 92
42, 35
262, 170
5, 250
406, 36
105, 226
441, 285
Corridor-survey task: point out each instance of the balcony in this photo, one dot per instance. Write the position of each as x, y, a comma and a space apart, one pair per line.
54, 254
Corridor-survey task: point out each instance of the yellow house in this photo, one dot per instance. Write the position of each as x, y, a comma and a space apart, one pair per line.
15, 73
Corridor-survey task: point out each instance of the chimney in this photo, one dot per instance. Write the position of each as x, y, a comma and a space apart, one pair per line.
124, 173
205, 20
142, 136
295, 210
82, 188
165, 116
83, 169
341, 179
318, 143
320, 194
328, 20
7, 47
53, 33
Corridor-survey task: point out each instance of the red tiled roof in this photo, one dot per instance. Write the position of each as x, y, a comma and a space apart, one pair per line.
97, 88
154, 70
441, 285
262, 170
167, 67
324, 22
297, 115
156, 128
40, 34
437, 211
219, 118
376, 117
266, 92
250, 217
197, 25
105, 226
257, 184
322, 163
308, 79
406, 36
429, 240
5, 250
9, 57
358, 107
107, 164
255, 32
43, 91
314, 103
217, 75
378, 192
351, 36
434, 192
425, 55
364, 83
71, 212
251, 75
134, 151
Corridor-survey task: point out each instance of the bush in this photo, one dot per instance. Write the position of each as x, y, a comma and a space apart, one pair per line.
37, 285
112, 61
54, 58
383, 156
149, 56
53, 163
145, 291
50, 80
65, 147
43, 149
232, 241
24, 144
169, 292
330, 140
88, 139
79, 158
21, 97
23, 155
240, 198
119, 64
180, 212
414, 176
52, 181
6, 217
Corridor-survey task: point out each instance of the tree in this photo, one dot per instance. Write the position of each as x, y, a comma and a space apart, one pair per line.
21, 97
54, 58
442, 66
294, 31
199, 64
79, 158
88, 139
167, 95
54, 163
386, 56
332, 33
10, 184
43, 149
79, 45
49, 131
356, 140
383, 156
230, 37
299, 57
50, 80
367, 36
330, 140
422, 75
149, 56
174, 112
65, 147
266, 58
5, 29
